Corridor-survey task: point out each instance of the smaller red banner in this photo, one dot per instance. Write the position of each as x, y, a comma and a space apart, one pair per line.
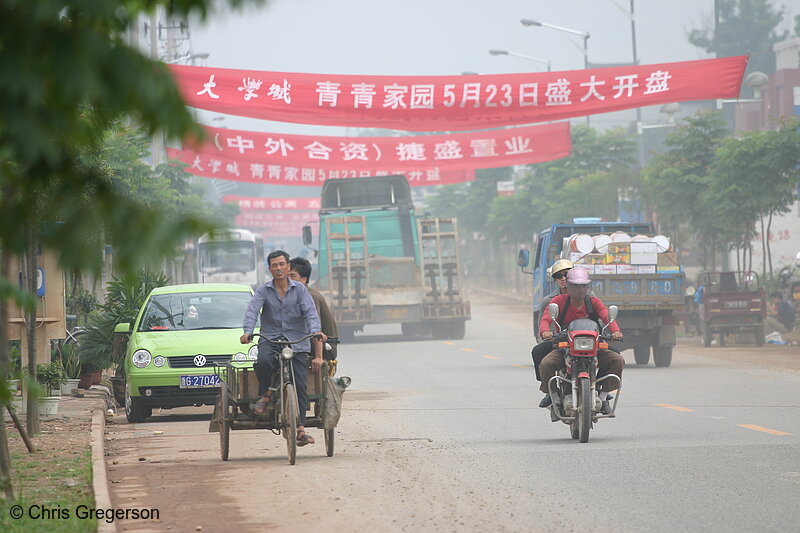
276, 224
256, 203
236, 170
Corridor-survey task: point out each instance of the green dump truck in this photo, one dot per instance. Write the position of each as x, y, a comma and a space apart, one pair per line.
379, 263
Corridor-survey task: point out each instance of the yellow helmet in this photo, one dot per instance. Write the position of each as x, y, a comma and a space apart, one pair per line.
560, 265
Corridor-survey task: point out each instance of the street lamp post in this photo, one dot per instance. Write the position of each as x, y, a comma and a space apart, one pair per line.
582, 34
522, 56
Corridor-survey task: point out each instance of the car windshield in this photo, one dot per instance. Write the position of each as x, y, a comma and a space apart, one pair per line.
194, 310
583, 324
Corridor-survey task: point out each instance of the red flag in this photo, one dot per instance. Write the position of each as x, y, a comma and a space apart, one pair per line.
446, 103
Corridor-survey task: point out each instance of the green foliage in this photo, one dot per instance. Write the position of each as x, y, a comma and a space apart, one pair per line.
124, 298
745, 27
583, 184
50, 375
768, 159
676, 180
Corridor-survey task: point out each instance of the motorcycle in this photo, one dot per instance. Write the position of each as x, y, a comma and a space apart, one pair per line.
577, 384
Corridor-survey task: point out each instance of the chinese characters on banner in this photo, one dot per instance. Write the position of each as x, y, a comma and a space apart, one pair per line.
483, 149
255, 203
276, 224
309, 175
447, 103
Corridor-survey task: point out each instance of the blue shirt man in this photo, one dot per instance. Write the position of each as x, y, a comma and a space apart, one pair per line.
287, 310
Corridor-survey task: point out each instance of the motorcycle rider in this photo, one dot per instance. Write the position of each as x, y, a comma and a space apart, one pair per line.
558, 272
574, 305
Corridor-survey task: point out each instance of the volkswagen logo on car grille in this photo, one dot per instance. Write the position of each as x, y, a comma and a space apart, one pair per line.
199, 360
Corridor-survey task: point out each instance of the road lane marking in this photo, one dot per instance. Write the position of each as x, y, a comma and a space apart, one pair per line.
675, 407
490, 357
467, 349
448, 343
522, 366
763, 429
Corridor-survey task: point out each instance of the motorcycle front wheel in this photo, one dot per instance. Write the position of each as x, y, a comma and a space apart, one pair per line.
584, 412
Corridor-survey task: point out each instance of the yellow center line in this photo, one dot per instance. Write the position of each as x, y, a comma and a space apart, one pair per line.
763, 429
522, 366
448, 343
490, 357
675, 407
467, 349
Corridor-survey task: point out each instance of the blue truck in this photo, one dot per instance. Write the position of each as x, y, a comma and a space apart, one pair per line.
647, 302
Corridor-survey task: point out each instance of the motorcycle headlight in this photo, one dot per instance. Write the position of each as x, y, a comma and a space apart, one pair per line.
252, 353
584, 344
159, 360
287, 353
239, 358
141, 358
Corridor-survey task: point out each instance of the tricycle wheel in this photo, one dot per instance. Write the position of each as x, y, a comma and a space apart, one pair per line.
759, 333
290, 421
329, 442
706, 336
224, 422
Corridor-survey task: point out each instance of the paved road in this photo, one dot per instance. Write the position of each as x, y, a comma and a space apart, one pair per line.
445, 436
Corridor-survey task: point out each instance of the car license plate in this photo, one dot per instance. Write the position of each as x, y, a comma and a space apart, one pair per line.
398, 313
197, 381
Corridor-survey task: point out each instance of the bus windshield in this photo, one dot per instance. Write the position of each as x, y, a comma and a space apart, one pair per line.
227, 256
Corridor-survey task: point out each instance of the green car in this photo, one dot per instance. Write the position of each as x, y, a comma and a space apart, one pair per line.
181, 333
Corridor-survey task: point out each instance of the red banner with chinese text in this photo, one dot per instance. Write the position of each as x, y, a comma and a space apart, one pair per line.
276, 224
482, 149
276, 174
447, 103
257, 203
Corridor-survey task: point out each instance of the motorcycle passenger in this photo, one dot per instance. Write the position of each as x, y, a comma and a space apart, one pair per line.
558, 272
573, 306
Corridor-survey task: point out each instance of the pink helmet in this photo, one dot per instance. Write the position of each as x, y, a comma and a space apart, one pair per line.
578, 276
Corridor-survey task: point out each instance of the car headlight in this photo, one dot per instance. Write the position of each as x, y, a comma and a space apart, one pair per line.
159, 360
239, 358
252, 353
287, 353
141, 358
584, 344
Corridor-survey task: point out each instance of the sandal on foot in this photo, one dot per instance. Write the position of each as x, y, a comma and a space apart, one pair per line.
304, 438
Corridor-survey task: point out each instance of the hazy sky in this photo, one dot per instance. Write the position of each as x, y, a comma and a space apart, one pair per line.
419, 37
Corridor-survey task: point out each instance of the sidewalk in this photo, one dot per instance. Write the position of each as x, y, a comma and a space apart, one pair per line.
88, 411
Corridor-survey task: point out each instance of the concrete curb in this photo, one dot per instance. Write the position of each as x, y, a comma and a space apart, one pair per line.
102, 496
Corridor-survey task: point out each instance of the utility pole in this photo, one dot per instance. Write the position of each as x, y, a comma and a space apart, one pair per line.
157, 143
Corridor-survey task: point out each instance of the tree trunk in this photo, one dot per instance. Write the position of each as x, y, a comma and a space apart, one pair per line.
5, 458
32, 416
769, 247
764, 239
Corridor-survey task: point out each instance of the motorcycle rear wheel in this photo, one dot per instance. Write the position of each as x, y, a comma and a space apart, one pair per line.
584, 413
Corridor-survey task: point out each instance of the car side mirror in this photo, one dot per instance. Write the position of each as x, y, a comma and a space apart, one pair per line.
523, 258
123, 327
307, 238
